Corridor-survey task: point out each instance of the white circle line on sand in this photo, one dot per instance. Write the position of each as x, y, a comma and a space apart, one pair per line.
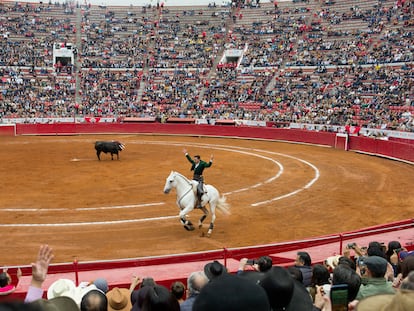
78, 209
307, 185
89, 223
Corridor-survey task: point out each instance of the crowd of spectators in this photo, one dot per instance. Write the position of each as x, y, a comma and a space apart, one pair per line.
377, 275
306, 62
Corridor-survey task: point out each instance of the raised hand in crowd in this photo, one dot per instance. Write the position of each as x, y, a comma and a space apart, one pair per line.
41, 266
39, 273
322, 301
134, 282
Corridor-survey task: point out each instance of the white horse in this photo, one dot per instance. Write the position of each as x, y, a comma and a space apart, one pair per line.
187, 198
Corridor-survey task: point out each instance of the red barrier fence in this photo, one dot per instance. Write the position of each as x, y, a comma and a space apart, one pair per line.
386, 148
392, 149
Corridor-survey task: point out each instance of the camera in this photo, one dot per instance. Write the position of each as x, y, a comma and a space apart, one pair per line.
351, 245
251, 262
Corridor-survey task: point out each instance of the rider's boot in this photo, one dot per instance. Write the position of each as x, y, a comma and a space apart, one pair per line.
199, 201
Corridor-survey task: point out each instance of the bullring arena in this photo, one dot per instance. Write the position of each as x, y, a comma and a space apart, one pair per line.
55, 191
307, 107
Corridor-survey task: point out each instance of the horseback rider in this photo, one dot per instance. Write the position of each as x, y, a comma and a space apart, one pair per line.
198, 166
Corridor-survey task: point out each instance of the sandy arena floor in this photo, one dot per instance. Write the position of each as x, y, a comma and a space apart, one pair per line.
55, 191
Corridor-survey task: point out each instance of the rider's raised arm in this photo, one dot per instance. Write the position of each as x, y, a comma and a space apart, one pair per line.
188, 156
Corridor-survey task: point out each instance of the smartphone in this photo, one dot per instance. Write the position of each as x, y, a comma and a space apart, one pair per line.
339, 297
361, 265
251, 262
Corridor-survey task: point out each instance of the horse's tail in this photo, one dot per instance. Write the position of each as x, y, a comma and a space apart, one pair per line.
223, 206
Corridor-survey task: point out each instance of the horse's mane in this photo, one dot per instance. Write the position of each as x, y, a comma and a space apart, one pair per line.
182, 176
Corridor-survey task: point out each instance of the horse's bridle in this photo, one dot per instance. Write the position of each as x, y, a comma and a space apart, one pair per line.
189, 183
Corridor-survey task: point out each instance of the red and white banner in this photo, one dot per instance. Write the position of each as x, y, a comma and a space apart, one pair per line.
92, 119
352, 130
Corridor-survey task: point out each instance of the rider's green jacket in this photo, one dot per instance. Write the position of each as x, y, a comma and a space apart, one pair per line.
200, 167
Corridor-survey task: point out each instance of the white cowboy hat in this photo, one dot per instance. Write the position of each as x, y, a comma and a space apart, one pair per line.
66, 287
62, 287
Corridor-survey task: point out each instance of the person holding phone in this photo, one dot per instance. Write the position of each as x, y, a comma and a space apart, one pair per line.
342, 276
375, 282
263, 264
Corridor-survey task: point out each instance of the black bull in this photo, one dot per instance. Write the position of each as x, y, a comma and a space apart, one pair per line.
112, 147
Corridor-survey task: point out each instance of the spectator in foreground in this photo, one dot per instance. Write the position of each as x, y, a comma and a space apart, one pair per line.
101, 284
263, 264
405, 266
320, 277
379, 249
376, 249
279, 287
402, 300
195, 282
392, 248
343, 274
119, 299
68, 288
138, 295
94, 300
254, 269
347, 261
231, 292
6, 286
375, 282
159, 298
295, 273
178, 290
214, 269
61, 303
408, 282
304, 263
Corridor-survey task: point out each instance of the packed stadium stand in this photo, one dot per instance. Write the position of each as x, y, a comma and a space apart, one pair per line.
317, 64
310, 62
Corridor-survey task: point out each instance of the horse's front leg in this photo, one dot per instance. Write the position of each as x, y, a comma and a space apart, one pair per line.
188, 225
202, 218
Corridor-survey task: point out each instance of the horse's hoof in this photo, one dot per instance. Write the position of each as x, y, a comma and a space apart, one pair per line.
189, 227
205, 235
